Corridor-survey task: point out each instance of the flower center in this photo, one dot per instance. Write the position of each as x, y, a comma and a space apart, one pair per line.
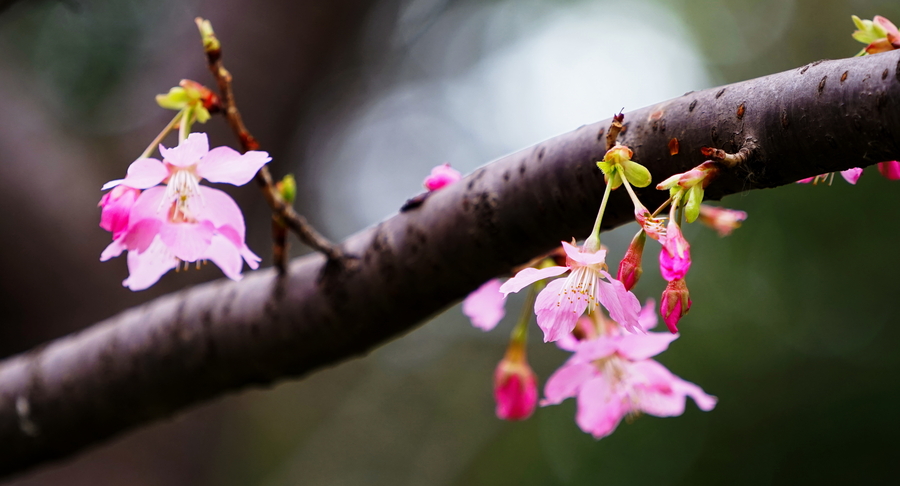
183, 185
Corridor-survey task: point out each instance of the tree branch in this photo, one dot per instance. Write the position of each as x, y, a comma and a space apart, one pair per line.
152, 361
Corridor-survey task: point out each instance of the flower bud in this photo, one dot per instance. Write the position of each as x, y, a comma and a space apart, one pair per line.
675, 303
723, 220
116, 208
441, 176
890, 170
675, 256
630, 268
515, 385
210, 42
287, 188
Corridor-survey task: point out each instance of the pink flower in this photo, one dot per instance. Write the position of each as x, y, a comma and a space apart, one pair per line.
485, 306
652, 226
890, 170
185, 221
442, 175
723, 220
563, 301
675, 256
116, 206
515, 385
612, 377
675, 303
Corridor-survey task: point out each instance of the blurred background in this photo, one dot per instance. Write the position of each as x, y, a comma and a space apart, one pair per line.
794, 325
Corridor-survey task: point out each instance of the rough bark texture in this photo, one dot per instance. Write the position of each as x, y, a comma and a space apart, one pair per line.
154, 360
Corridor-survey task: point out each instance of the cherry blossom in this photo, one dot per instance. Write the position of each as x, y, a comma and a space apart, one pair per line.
184, 221
563, 301
612, 376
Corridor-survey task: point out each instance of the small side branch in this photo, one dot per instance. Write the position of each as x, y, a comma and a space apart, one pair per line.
724, 158
281, 209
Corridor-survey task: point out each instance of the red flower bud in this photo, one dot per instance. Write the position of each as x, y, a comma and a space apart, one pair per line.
630, 268
676, 302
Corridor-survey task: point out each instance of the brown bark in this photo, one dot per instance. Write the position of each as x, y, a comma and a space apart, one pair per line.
152, 361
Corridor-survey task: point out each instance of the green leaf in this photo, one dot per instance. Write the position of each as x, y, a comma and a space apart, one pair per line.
176, 99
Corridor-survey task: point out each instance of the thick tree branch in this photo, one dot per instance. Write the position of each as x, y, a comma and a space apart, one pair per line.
176, 351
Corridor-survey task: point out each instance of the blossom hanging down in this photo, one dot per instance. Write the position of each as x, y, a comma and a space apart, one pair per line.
184, 221
563, 301
613, 376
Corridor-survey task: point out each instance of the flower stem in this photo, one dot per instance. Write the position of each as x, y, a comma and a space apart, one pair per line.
634, 198
520, 332
592, 244
184, 125
663, 206
161, 136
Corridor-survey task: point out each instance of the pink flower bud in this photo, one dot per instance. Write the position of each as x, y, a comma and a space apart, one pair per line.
890, 170
116, 206
723, 220
675, 303
630, 268
515, 385
441, 176
675, 256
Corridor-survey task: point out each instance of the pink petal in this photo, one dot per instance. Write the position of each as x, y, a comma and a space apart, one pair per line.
642, 346
589, 351
225, 255
557, 314
188, 152
703, 400
588, 332
600, 408
485, 306
623, 306
852, 175
221, 210
148, 206
141, 234
441, 176
113, 250
224, 164
585, 258
566, 381
529, 276
146, 268
142, 174
648, 318
806, 181
655, 390
187, 241
890, 170
251, 258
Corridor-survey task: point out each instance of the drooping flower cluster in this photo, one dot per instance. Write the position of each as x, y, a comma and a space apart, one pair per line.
182, 221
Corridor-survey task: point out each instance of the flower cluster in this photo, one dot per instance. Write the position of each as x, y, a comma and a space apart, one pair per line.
610, 372
162, 226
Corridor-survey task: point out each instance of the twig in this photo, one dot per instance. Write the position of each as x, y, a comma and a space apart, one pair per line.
298, 224
614, 129
723, 157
